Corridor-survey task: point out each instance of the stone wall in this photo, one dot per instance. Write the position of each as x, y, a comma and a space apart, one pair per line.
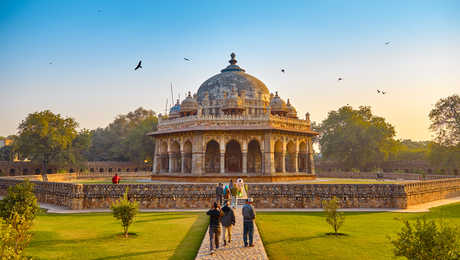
386, 175
181, 196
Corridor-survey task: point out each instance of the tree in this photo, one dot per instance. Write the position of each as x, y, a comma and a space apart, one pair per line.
334, 218
445, 120
443, 156
427, 240
125, 138
6, 153
45, 136
125, 210
17, 210
356, 138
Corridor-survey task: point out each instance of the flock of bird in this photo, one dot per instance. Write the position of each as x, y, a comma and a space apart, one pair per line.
139, 66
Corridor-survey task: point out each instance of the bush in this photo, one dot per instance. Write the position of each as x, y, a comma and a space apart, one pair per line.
427, 240
125, 210
334, 218
17, 210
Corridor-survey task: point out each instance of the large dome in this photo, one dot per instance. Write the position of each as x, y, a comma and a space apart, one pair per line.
233, 77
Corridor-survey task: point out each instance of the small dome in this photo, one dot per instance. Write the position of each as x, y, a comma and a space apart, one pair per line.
278, 105
189, 105
174, 111
291, 112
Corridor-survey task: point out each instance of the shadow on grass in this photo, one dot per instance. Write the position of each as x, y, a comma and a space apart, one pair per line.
160, 219
133, 254
295, 239
189, 246
54, 242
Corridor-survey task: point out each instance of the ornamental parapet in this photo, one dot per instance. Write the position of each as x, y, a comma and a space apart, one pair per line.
234, 122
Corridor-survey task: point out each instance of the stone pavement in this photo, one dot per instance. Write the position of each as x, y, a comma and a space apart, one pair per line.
236, 249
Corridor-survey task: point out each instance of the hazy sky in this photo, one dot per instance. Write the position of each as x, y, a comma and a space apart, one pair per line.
94, 46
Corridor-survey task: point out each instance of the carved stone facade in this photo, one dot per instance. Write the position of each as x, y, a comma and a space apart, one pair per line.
233, 125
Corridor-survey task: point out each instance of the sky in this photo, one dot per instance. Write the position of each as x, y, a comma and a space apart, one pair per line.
93, 47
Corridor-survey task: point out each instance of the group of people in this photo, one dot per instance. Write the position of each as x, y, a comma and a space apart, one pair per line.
224, 218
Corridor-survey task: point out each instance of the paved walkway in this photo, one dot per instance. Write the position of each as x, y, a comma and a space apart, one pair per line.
236, 249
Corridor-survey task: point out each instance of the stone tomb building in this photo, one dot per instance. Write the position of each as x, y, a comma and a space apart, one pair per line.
233, 126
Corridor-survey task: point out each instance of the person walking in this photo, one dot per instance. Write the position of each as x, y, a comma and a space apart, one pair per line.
228, 221
249, 215
215, 215
219, 193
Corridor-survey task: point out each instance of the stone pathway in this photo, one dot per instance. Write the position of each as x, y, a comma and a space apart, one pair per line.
236, 249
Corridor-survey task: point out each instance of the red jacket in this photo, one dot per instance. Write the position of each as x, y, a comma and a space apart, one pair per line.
116, 179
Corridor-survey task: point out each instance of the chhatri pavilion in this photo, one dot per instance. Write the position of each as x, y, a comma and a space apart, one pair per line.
233, 126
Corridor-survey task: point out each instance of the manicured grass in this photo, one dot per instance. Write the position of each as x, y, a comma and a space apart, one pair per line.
302, 235
172, 235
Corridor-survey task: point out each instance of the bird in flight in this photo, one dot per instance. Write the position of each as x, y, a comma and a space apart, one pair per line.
50, 62
187, 59
99, 11
283, 70
139, 66
339, 79
387, 43
383, 92
378, 91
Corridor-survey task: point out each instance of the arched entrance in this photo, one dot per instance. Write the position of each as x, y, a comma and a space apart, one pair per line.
187, 157
254, 157
164, 158
212, 157
302, 157
290, 157
233, 157
278, 156
175, 157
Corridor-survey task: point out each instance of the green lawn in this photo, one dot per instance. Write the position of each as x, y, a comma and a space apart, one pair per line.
288, 235
97, 236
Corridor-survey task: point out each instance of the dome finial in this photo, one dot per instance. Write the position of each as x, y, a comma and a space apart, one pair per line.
232, 61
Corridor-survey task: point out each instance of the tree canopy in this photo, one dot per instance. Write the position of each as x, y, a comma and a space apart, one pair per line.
125, 138
45, 136
356, 138
445, 120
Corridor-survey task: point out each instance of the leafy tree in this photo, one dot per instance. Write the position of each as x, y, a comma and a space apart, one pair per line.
356, 138
17, 210
125, 210
427, 240
334, 218
408, 150
6, 153
445, 120
443, 156
125, 138
45, 136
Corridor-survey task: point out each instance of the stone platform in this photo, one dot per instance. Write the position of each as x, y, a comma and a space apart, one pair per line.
216, 177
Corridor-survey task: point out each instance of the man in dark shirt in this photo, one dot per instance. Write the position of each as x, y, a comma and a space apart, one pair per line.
249, 215
215, 215
219, 193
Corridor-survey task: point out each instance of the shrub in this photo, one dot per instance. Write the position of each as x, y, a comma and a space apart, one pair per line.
17, 210
355, 170
334, 218
125, 210
427, 240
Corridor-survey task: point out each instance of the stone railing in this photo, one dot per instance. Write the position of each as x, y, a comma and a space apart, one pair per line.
234, 120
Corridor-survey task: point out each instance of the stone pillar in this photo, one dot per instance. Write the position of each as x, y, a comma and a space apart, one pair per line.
283, 162
155, 162
269, 156
197, 155
296, 162
310, 160
171, 164
222, 162
245, 162
182, 157
262, 161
